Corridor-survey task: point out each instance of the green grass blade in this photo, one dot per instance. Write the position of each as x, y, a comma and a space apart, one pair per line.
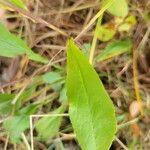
12, 46
114, 49
18, 3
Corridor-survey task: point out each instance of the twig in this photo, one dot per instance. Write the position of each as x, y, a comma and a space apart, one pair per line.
121, 144
72, 9
94, 40
29, 81
66, 137
24, 79
33, 18
135, 70
6, 142
94, 19
50, 115
128, 123
37, 116
18, 95
144, 40
31, 133
25, 141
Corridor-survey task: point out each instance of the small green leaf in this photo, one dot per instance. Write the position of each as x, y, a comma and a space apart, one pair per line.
114, 49
53, 78
12, 46
119, 8
47, 127
63, 96
91, 110
27, 93
20, 122
18, 3
28, 110
128, 23
105, 33
5, 103
15, 126
86, 49
36, 57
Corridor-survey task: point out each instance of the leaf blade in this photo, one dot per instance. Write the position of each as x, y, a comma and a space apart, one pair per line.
114, 49
5, 103
21, 122
47, 127
85, 106
119, 8
12, 46
18, 3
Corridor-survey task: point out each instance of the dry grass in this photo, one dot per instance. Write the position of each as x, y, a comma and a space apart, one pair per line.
70, 17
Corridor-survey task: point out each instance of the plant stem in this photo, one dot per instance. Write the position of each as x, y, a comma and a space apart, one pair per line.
135, 69
32, 17
94, 19
128, 123
94, 42
25, 141
31, 133
122, 145
50, 115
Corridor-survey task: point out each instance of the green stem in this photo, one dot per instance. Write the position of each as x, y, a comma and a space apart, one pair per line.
94, 42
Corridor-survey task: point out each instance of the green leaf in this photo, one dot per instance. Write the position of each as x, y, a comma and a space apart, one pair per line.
15, 126
114, 49
119, 8
47, 127
128, 23
91, 110
86, 49
27, 93
18, 3
105, 33
29, 110
53, 78
12, 46
63, 96
5, 103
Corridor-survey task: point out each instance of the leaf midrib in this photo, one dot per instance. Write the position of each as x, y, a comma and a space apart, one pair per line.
85, 89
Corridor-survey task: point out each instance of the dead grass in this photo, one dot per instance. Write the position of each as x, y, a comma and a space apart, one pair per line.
71, 17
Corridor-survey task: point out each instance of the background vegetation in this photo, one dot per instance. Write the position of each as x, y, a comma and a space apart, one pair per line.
113, 36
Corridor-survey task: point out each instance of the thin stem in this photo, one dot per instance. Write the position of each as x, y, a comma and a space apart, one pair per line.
135, 50
33, 18
72, 9
94, 19
128, 123
136, 81
51, 115
18, 95
26, 142
94, 42
123, 146
6, 143
31, 133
